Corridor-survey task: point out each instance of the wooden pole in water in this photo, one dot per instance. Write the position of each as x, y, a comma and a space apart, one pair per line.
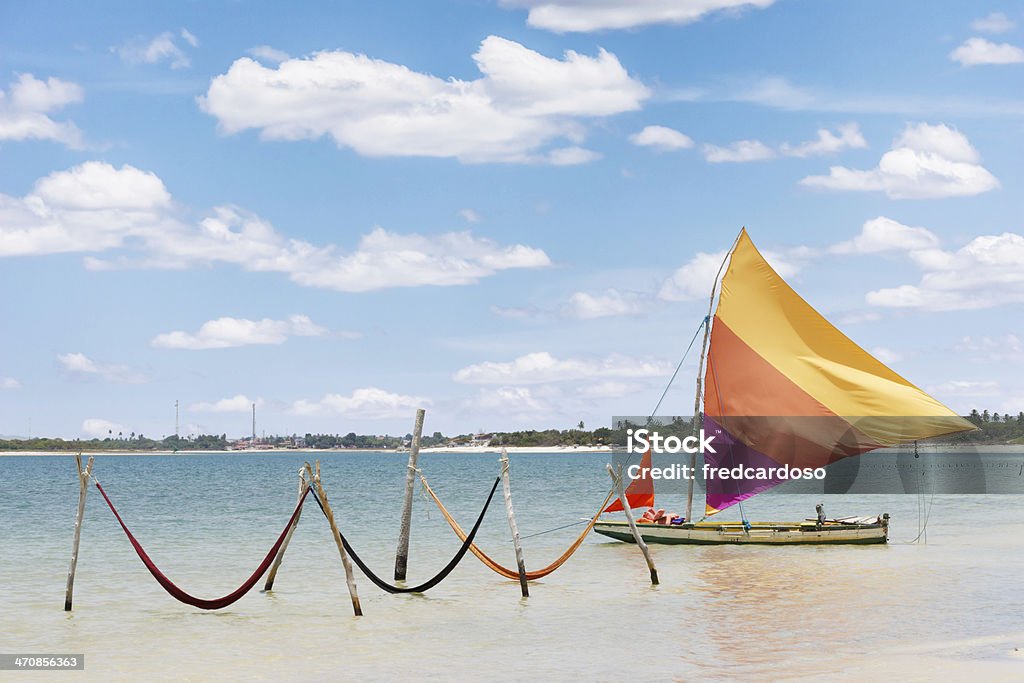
402, 556
349, 577
507, 487
83, 489
303, 485
617, 479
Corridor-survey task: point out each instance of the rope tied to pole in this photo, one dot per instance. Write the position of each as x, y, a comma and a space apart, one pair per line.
440, 576
177, 593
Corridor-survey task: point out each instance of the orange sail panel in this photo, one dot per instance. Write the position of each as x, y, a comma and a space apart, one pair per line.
640, 492
783, 386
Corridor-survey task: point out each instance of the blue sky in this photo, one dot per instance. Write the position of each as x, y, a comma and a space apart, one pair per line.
507, 211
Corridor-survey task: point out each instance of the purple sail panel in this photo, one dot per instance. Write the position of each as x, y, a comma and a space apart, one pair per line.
729, 453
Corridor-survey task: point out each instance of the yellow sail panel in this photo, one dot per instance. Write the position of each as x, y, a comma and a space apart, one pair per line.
769, 317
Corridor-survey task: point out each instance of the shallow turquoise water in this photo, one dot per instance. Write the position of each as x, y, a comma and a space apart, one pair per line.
950, 608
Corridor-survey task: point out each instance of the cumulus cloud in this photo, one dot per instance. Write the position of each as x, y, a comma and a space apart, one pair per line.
827, 142
661, 138
609, 389
236, 404
978, 51
1007, 347
694, 279
965, 388
586, 15
519, 401
469, 215
161, 48
925, 162
224, 333
986, 272
268, 53
80, 366
95, 207
9, 383
367, 403
522, 104
847, 136
996, 22
100, 429
738, 152
611, 302
26, 108
884, 234
541, 367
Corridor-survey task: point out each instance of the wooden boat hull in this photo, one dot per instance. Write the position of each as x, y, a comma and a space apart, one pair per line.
760, 533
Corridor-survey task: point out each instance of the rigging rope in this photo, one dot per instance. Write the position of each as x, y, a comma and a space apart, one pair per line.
182, 596
440, 576
494, 566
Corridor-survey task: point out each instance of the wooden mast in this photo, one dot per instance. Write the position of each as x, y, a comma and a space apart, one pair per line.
700, 378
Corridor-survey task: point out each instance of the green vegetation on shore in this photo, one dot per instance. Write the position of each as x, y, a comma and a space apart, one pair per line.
993, 428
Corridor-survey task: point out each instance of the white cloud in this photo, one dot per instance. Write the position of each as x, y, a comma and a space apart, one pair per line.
694, 279
224, 333
661, 138
978, 51
95, 207
1008, 347
925, 162
858, 317
587, 15
777, 92
738, 152
523, 103
80, 366
469, 215
965, 388
162, 48
827, 142
886, 355
987, 272
611, 302
9, 383
610, 389
572, 156
26, 107
189, 37
100, 429
236, 404
268, 53
996, 22
367, 403
504, 400
884, 234
541, 367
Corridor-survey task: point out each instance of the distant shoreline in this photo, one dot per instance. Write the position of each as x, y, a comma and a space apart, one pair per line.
285, 451
462, 450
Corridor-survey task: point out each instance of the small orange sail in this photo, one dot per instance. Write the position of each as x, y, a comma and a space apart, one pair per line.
640, 492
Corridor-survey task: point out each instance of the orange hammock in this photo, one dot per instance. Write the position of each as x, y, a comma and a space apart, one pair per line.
505, 571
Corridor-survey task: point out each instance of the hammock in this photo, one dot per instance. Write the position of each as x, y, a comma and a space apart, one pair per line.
440, 576
505, 571
184, 597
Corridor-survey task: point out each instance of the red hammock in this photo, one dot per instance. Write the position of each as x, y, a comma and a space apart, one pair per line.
184, 597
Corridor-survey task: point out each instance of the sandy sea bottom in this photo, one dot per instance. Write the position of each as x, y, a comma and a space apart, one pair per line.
948, 609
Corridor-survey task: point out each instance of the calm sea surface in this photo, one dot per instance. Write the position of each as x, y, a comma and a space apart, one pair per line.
949, 609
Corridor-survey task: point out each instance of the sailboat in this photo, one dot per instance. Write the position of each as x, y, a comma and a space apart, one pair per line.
783, 387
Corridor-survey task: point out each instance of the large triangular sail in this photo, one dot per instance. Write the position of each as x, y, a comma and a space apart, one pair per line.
783, 386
